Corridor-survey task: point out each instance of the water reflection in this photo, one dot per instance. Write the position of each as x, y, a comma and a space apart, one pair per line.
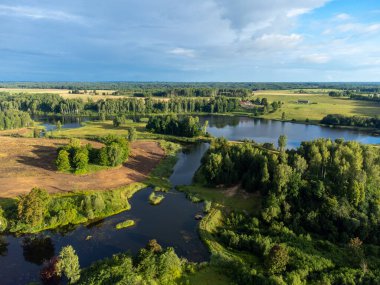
37, 249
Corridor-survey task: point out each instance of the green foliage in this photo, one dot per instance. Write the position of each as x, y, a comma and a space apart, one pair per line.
68, 264
63, 160
155, 199
33, 206
340, 120
3, 221
172, 125
151, 266
282, 141
115, 152
12, 119
329, 188
61, 210
132, 134
80, 160
277, 259
125, 224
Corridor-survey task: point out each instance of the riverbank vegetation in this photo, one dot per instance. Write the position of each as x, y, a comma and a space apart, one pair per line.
125, 224
355, 121
39, 211
155, 199
319, 217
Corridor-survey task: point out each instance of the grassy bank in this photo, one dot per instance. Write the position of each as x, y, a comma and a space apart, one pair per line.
73, 208
83, 206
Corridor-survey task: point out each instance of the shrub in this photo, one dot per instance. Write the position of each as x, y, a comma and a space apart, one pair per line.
63, 160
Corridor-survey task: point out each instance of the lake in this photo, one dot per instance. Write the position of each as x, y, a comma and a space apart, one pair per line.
261, 131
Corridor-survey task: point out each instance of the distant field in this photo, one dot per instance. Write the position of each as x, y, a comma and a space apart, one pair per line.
64, 93
320, 105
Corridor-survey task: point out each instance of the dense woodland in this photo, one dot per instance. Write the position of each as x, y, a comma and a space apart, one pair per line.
55, 104
172, 125
325, 188
14, 119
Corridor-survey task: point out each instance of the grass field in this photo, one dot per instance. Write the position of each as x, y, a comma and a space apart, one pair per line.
26, 163
320, 105
232, 198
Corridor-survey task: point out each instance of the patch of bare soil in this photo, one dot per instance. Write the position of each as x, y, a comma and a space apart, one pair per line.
26, 163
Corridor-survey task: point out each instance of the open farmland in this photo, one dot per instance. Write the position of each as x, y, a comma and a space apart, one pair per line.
320, 105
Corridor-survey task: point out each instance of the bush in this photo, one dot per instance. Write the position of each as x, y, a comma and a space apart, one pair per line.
63, 161
33, 206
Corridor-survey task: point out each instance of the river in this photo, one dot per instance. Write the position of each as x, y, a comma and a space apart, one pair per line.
172, 222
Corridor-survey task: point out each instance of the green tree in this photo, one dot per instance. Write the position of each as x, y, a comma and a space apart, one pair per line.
282, 141
80, 160
68, 264
169, 267
277, 259
132, 134
58, 125
33, 206
3, 221
63, 160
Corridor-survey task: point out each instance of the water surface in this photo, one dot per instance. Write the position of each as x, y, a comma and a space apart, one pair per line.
172, 223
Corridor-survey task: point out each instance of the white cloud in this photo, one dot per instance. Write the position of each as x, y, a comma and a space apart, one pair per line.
359, 28
343, 17
183, 52
297, 12
316, 58
38, 13
276, 41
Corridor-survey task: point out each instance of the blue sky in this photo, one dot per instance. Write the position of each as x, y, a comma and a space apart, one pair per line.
190, 40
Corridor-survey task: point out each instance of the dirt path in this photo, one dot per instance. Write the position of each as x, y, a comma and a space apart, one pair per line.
27, 163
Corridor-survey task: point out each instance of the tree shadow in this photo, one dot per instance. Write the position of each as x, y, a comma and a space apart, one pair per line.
43, 157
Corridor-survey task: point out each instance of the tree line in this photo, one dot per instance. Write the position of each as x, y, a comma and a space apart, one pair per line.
14, 119
55, 104
356, 121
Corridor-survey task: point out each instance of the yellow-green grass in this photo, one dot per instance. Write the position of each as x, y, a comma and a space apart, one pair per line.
97, 129
206, 276
155, 199
239, 201
207, 230
320, 105
125, 224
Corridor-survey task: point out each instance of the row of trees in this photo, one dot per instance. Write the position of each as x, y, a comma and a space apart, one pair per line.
55, 104
356, 121
14, 119
76, 157
326, 187
172, 125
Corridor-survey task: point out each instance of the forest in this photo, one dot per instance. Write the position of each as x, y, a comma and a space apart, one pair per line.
12, 119
55, 104
316, 198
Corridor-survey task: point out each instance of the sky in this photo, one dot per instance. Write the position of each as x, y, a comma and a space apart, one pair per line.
190, 40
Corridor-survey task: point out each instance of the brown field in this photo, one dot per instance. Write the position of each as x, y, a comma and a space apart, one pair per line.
65, 93
26, 163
